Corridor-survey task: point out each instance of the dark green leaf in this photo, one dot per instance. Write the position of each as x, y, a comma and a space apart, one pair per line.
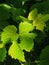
44, 56
2, 54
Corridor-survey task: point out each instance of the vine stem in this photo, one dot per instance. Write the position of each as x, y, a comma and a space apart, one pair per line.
35, 61
31, 62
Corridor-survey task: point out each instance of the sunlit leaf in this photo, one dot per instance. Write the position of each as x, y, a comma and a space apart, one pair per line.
9, 34
40, 21
26, 38
26, 41
16, 52
25, 27
33, 14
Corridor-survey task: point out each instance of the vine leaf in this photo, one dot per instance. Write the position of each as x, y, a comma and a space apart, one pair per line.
4, 15
3, 24
15, 3
16, 52
39, 20
25, 27
24, 19
9, 34
1, 45
26, 38
44, 56
23, 2
16, 13
26, 41
4, 12
43, 7
33, 14
2, 54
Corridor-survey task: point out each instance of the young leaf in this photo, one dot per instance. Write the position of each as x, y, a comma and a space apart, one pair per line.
25, 27
9, 34
23, 19
2, 54
33, 14
16, 52
26, 38
40, 21
26, 41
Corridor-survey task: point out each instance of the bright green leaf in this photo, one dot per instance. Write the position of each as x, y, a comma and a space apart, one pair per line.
23, 19
26, 41
25, 27
40, 21
9, 34
1, 45
26, 38
33, 14
16, 52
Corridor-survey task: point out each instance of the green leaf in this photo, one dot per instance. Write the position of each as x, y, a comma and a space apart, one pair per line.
4, 15
15, 3
9, 34
6, 6
47, 26
26, 38
38, 0
43, 7
40, 37
33, 14
16, 52
25, 27
4, 12
1, 45
44, 56
40, 21
23, 19
2, 54
3, 24
26, 41
16, 13
23, 2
